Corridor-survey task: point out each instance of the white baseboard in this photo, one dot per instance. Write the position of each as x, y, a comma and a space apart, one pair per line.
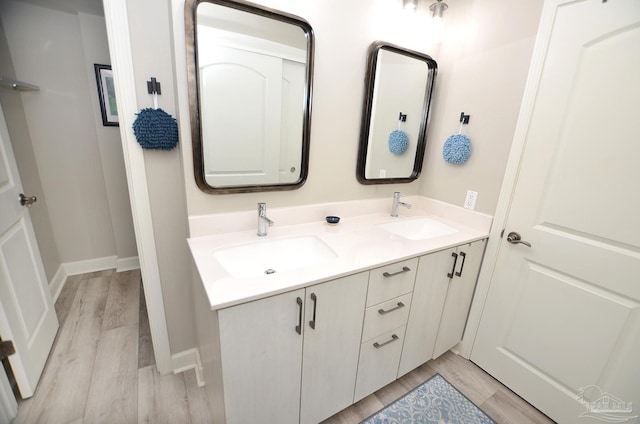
187, 360
127, 264
91, 265
57, 283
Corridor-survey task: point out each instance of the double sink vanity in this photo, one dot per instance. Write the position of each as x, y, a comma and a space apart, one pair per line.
298, 325
298, 316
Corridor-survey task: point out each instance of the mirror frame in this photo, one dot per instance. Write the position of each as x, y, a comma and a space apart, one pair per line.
369, 86
191, 36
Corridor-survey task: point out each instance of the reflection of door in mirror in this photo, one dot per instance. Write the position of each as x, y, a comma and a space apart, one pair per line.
250, 94
398, 91
252, 108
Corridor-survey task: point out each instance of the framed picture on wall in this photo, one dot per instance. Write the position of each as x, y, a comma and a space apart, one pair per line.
107, 95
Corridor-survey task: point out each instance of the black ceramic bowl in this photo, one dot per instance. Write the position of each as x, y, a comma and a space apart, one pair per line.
333, 219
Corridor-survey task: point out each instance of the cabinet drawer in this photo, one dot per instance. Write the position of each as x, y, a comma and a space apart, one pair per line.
391, 281
386, 316
379, 359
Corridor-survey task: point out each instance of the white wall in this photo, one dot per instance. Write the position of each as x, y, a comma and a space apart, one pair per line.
343, 32
96, 50
483, 64
150, 32
79, 163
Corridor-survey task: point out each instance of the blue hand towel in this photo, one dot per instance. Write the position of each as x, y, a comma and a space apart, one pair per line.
457, 149
156, 129
398, 142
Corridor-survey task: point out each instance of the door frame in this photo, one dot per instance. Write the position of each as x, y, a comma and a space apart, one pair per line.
117, 23
510, 180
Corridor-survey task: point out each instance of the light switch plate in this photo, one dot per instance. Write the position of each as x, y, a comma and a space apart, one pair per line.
470, 200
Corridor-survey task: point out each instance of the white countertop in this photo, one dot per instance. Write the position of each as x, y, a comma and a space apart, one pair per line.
357, 241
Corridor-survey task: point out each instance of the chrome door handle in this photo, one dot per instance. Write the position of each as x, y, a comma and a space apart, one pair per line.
514, 238
27, 201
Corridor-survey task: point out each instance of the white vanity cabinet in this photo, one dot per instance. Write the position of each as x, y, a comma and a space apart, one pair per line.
459, 295
442, 296
304, 355
388, 304
292, 357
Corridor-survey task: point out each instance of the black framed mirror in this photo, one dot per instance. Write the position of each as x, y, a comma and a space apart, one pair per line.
250, 72
395, 115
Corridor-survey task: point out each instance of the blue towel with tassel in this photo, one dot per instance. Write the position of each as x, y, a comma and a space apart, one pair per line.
457, 149
398, 142
156, 129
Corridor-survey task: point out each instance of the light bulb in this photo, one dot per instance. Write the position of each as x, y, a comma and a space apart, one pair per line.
410, 4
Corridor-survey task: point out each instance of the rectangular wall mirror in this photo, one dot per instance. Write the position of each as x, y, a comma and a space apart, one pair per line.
250, 81
398, 89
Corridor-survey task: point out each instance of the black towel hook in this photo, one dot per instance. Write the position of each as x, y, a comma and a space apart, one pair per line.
153, 86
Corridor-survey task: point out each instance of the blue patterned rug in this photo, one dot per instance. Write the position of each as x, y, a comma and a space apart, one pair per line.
433, 402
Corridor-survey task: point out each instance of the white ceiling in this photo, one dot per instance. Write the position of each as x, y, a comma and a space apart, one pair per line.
93, 7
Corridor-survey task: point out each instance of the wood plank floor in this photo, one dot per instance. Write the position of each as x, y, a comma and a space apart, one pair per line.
101, 369
496, 400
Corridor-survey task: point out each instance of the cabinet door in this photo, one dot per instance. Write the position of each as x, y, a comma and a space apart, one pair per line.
429, 294
261, 354
333, 325
459, 296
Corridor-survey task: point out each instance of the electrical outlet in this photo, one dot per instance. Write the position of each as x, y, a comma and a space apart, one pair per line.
470, 200
383, 173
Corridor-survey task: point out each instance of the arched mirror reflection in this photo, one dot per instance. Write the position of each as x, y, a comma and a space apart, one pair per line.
250, 70
398, 89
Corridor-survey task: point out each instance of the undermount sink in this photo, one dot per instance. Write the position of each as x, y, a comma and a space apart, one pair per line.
418, 228
265, 257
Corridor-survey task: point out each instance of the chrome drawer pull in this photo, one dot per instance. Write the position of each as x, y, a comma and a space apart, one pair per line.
382, 311
404, 269
394, 337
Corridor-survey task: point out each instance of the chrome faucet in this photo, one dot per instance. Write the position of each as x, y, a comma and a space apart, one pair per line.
396, 202
263, 221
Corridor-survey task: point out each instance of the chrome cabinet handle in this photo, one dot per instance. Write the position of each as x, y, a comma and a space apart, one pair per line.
453, 269
464, 257
514, 238
27, 201
383, 312
404, 269
312, 323
394, 337
299, 326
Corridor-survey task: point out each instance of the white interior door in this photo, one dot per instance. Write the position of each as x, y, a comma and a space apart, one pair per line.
561, 323
27, 316
241, 116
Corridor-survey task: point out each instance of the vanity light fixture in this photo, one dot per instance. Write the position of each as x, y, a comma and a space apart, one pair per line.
410, 4
438, 9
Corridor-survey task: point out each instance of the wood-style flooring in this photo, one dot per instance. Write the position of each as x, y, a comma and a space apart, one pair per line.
101, 369
496, 400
